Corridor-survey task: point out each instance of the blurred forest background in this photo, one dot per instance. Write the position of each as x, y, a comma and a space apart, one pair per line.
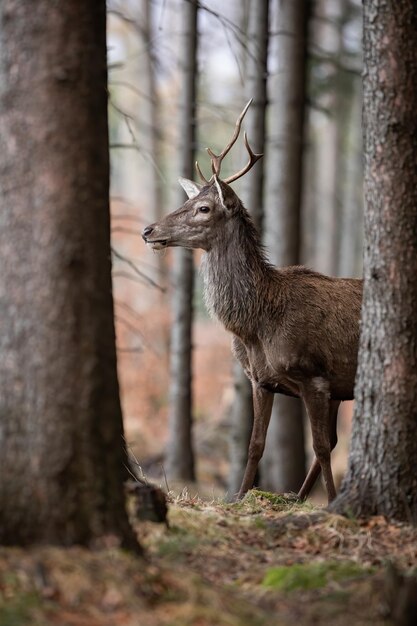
240, 48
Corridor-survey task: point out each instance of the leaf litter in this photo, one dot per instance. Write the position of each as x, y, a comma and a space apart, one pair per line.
267, 560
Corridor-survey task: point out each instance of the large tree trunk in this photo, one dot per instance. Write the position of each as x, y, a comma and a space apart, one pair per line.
381, 477
61, 427
283, 466
180, 455
252, 197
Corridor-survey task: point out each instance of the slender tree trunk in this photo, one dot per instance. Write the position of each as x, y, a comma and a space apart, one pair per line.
61, 430
351, 226
328, 39
381, 477
241, 417
180, 455
242, 20
252, 197
283, 466
255, 122
150, 116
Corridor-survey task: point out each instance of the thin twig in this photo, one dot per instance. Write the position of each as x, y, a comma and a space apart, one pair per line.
125, 18
131, 473
122, 216
165, 477
137, 271
136, 462
122, 274
129, 309
127, 350
132, 327
130, 146
128, 231
138, 92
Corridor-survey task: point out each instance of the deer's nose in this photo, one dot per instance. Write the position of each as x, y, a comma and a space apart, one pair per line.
146, 232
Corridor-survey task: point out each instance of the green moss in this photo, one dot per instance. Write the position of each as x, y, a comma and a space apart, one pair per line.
257, 501
17, 610
311, 575
177, 545
275, 499
259, 522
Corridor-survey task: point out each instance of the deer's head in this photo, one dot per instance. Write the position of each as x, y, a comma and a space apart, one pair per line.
197, 222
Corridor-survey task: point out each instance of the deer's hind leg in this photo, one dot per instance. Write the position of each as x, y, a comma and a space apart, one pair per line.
315, 469
316, 397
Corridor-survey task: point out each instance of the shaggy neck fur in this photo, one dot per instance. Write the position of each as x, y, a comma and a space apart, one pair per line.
237, 276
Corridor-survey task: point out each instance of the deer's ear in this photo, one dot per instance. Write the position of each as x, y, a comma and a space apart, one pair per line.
191, 188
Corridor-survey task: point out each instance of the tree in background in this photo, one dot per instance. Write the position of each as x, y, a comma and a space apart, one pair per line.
61, 427
332, 215
283, 465
180, 455
381, 478
150, 116
252, 196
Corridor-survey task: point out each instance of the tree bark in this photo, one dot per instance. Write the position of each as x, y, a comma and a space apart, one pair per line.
381, 477
252, 197
61, 429
283, 465
180, 454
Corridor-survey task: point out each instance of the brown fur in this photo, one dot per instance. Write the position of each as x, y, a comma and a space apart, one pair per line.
295, 331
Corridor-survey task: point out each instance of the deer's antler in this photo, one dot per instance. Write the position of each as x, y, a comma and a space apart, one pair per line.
216, 159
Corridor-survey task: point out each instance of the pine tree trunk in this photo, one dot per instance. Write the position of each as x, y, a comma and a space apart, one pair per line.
328, 38
252, 191
149, 115
180, 455
351, 225
252, 197
283, 465
381, 476
61, 430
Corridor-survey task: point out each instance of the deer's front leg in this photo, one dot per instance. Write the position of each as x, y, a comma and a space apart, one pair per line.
315, 468
316, 398
262, 407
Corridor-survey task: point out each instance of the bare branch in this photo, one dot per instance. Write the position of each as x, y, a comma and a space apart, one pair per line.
127, 350
132, 327
129, 309
125, 18
135, 268
133, 218
138, 92
132, 277
130, 146
128, 231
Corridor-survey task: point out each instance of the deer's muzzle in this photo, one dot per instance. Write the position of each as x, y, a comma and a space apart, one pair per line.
157, 244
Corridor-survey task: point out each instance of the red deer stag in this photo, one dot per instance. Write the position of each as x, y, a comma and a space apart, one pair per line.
295, 331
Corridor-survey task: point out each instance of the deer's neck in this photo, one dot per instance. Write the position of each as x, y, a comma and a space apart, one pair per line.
237, 277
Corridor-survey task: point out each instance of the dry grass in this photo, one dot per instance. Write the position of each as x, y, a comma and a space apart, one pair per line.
267, 560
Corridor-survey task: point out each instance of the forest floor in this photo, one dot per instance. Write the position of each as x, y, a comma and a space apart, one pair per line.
264, 561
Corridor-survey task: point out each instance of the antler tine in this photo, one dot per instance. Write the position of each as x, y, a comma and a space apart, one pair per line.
217, 159
252, 160
200, 173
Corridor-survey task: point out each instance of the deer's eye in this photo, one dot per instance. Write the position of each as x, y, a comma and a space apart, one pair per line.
204, 209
